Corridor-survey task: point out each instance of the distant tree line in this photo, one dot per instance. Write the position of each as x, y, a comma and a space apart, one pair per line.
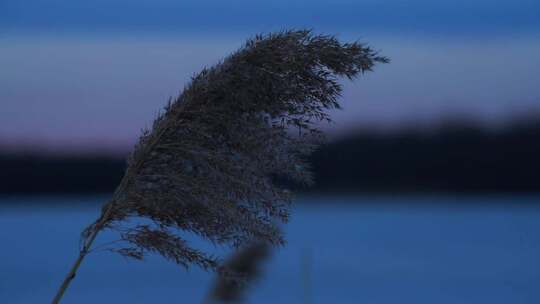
453, 158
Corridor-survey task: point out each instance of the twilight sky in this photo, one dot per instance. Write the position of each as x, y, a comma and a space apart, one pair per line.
88, 75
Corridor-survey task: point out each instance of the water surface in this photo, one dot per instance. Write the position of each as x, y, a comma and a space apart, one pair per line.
357, 249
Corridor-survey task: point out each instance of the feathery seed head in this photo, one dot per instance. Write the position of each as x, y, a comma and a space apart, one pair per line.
207, 164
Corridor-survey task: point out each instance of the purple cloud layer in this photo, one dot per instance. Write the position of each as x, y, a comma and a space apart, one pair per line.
96, 93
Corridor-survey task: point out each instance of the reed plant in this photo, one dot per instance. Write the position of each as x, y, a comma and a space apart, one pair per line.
208, 164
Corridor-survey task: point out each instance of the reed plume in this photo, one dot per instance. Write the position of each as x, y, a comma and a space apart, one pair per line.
239, 272
208, 163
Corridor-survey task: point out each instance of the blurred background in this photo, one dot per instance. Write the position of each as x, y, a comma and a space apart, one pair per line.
426, 192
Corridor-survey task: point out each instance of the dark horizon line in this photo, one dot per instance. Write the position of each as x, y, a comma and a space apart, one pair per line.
452, 160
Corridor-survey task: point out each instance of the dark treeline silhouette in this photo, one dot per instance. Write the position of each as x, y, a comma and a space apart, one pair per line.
456, 157
31, 173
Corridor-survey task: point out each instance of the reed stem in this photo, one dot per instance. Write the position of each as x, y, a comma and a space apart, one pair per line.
82, 254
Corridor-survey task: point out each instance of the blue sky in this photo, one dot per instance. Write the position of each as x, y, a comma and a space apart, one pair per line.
458, 16
88, 75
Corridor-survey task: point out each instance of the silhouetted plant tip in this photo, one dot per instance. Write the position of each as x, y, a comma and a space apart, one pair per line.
238, 273
206, 165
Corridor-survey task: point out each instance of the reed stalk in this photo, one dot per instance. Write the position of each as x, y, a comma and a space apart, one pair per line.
207, 166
